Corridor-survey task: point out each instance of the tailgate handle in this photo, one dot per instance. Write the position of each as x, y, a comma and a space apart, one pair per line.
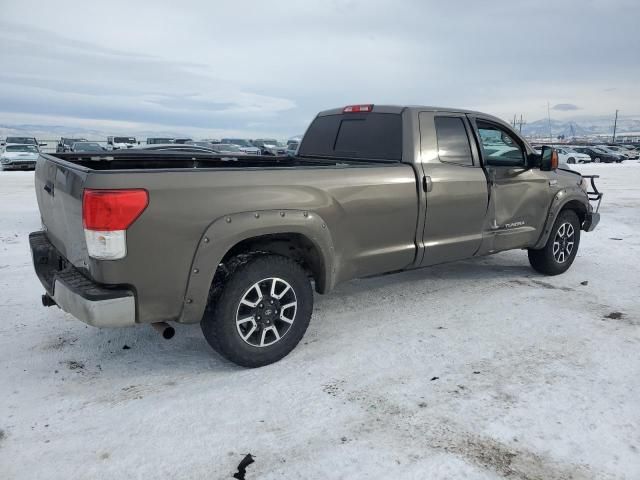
49, 188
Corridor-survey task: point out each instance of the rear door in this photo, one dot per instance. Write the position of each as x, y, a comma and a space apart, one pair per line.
456, 188
519, 195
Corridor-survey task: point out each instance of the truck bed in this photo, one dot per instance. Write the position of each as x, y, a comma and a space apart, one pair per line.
369, 207
154, 160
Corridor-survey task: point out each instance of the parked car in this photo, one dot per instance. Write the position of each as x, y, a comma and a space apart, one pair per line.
245, 145
181, 141
269, 146
625, 152
238, 246
599, 155
159, 140
15, 156
87, 147
228, 149
570, 156
22, 141
64, 144
120, 143
292, 147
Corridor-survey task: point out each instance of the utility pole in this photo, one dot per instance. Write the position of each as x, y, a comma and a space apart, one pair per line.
615, 125
522, 122
549, 119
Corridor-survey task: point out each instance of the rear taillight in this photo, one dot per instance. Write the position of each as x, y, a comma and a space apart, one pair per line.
106, 216
357, 108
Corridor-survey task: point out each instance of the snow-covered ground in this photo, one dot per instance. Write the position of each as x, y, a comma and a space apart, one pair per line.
480, 369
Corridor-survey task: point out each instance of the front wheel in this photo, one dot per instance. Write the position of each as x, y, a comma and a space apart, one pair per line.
597, 160
571, 160
561, 248
262, 312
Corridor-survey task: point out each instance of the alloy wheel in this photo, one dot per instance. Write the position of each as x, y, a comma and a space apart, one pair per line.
266, 312
563, 242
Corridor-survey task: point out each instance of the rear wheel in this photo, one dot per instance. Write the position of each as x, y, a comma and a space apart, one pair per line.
596, 160
262, 313
561, 248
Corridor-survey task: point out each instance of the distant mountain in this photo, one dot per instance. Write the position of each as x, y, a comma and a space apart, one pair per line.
581, 127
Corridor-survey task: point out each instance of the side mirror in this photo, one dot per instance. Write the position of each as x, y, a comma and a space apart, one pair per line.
548, 159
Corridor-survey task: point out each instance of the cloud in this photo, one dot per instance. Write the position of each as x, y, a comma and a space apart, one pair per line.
565, 107
246, 64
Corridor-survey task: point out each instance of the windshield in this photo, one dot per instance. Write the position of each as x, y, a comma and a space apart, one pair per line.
124, 140
22, 148
27, 140
237, 141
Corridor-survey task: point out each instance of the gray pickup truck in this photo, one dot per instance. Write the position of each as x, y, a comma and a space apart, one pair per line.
239, 244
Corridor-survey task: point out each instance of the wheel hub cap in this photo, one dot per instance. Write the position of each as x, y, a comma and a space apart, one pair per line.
563, 242
266, 312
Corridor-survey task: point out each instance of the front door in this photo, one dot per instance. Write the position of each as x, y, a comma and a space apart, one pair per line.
519, 196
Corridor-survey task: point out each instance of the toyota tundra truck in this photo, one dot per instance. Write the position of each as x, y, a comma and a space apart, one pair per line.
240, 244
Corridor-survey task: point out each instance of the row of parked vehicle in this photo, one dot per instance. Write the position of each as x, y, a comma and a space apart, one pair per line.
605, 153
231, 146
22, 152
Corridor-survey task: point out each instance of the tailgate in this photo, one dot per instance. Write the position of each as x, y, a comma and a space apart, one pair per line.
59, 186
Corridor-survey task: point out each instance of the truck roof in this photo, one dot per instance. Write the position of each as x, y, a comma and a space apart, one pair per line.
401, 108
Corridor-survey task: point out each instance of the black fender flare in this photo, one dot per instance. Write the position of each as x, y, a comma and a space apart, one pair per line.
559, 202
227, 231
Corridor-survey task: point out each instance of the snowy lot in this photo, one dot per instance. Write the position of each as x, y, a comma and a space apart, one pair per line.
479, 369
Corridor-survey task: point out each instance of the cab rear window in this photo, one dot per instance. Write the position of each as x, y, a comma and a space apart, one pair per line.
370, 136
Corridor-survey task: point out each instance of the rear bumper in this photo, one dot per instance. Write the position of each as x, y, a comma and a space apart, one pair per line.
74, 293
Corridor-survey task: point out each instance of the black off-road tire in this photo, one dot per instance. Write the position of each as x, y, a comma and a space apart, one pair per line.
544, 260
219, 321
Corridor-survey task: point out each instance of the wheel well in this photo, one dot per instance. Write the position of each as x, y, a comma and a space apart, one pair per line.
292, 245
577, 207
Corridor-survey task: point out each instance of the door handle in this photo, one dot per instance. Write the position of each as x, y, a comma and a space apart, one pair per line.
49, 188
427, 183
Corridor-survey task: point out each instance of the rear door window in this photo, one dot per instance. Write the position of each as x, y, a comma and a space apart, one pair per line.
371, 136
453, 141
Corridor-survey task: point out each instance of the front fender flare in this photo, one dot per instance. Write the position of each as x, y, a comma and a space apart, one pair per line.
560, 200
227, 231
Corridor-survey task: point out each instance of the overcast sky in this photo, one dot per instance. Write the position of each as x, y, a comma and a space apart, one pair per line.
266, 67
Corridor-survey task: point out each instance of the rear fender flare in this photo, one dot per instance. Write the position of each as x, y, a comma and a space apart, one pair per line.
227, 231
